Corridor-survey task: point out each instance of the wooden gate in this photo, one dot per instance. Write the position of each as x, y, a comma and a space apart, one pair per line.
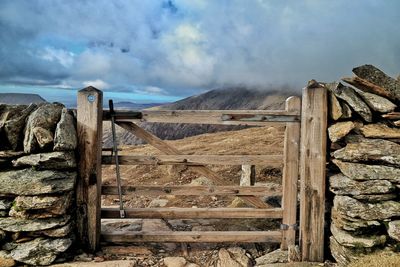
90, 116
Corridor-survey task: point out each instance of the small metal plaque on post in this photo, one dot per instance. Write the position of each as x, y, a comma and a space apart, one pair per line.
91, 98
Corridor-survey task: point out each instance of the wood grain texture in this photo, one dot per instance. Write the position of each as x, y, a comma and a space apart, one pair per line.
191, 213
274, 161
312, 173
170, 150
193, 190
290, 175
193, 237
88, 191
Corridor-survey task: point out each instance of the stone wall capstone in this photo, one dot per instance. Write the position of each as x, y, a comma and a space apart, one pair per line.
38, 172
364, 172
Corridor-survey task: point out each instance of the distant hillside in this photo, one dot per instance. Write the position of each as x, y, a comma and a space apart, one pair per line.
230, 98
131, 105
20, 99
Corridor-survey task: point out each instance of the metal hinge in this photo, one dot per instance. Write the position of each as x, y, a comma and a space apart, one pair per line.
289, 226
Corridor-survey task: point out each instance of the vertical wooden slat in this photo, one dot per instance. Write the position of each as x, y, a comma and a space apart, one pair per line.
312, 173
290, 175
89, 126
248, 176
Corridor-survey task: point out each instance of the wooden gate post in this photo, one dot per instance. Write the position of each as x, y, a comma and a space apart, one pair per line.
312, 173
88, 191
290, 176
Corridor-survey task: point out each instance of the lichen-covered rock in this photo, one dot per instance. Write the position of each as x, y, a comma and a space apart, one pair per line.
369, 150
240, 255
347, 112
375, 198
14, 127
8, 155
394, 230
5, 203
371, 211
58, 232
33, 207
343, 255
45, 117
225, 259
52, 160
377, 103
335, 109
339, 130
380, 130
349, 95
40, 251
276, 256
349, 240
6, 260
31, 182
353, 224
11, 224
65, 136
363, 172
378, 77
44, 137
342, 185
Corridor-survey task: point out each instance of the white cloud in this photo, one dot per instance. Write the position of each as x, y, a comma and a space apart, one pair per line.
99, 84
64, 57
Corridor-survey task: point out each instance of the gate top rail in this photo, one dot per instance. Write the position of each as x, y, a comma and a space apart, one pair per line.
225, 117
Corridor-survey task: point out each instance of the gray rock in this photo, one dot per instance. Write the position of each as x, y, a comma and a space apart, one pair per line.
378, 77
380, 130
376, 198
335, 109
31, 207
343, 255
6, 260
342, 185
369, 150
158, 203
40, 251
51, 160
339, 130
347, 112
58, 232
375, 102
5, 203
352, 224
394, 230
65, 136
31, 182
9, 154
372, 211
3, 213
202, 181
11, 224
14, 127
349, 95
362, 172
174, 261
276, 256
45, 117
348, 240
225, 259
240, 256
44, 137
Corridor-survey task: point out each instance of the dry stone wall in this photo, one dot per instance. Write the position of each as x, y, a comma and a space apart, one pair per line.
364, 173
38, 171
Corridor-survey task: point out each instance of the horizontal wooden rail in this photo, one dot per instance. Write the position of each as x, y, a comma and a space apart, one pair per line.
193, 237
193, 190
225, 117
266, 160
192, 213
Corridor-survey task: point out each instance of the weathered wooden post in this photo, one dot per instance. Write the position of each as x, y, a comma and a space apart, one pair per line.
89, 126
312, 172
290, 175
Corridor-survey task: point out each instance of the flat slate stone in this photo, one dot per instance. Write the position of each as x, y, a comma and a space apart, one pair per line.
335, 109
339, 130
5, 203
31, 182
349, 95
394, 230
353, 224
342, 185
52, 160
376, 102
369, 150
380, 130
363, 172
349, 240
65, 137
356, 209
378, 77
40, 251
11, 224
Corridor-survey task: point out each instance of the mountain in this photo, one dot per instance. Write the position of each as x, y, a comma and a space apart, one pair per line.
20, 99
228, 98
131, 105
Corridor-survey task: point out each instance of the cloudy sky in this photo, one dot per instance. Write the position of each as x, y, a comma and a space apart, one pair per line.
160, 50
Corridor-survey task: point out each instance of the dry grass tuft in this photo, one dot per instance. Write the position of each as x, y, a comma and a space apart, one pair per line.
381, 259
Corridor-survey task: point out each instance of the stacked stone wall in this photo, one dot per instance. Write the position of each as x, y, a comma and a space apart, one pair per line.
364, 172
38, 172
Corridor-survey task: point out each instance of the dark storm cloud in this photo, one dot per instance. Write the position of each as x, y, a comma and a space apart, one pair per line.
178, 47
